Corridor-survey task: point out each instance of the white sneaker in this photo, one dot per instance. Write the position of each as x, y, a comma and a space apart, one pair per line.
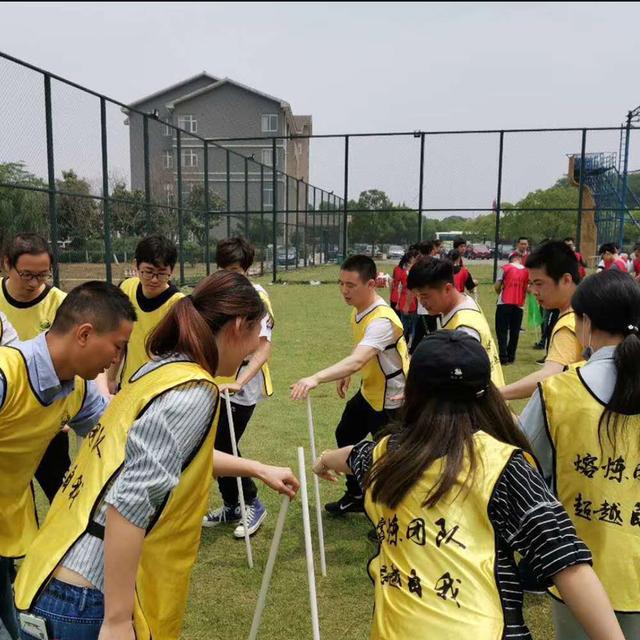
256, 513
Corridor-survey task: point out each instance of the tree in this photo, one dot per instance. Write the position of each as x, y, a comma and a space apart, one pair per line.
79, 217
371, 225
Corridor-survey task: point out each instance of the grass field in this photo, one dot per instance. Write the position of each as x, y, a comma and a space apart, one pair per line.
311, 331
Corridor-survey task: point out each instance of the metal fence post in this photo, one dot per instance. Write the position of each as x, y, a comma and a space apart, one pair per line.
147, 172
346, 198
420, 192
583, 147
207, 208
262, 219
498, 204
180, 212
246, 198
228, 195
313, 237
106, 205
286, 222
274, 200
306, 224
51, 174
297, 218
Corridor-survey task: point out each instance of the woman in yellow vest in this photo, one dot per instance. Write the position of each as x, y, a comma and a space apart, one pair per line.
30, 303
115, 553
452, 494
250, 384
152, 294
585, 426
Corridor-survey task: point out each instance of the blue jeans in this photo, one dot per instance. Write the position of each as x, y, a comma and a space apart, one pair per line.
72, 613
8, 619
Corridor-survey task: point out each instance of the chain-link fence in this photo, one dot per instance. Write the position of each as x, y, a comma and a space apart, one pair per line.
94, 175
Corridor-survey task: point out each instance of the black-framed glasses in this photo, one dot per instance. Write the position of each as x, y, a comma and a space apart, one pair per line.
28, 276
147, 275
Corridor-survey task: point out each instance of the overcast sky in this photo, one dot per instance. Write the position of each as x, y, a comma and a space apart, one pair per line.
369, 67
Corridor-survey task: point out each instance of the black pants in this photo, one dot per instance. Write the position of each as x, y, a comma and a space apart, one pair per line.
424, 325
228, 486
508, 323
359, 420
54, 465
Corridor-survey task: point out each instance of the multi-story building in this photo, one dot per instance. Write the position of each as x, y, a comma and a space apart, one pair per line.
239, 170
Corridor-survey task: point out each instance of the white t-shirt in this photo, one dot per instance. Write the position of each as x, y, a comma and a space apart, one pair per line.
380, 334
467, 303
9, 334
252, 392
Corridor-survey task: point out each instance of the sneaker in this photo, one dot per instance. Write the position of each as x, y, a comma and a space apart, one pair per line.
541, 361
539, 346
348, 503
222, 515
256, 513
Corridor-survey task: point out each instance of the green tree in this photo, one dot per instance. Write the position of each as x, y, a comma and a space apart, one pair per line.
79, 217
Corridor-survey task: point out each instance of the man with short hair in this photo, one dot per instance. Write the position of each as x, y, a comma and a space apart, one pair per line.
30, 303
554, 276
522, 249
251, 384
608, 253
152, 294
380, 355
45, 383
432, 281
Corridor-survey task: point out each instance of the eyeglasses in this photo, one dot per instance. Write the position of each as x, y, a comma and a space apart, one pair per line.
27, 276
148, 275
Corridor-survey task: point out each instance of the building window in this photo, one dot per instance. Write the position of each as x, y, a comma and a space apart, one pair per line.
189, 158
168, 159
270, 123
188, 123
168, 131
267, 157
168, 193
267, 192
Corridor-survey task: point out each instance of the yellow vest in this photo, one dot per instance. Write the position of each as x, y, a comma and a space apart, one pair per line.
26, 428
475, 320
32, 319
435, 572
172, 539
136, 354
267, 385
599, 489
374, 379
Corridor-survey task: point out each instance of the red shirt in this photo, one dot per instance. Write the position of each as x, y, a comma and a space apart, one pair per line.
460, 279
619, 263
514, 285
404, 291
396, 283
582, 272
636, 266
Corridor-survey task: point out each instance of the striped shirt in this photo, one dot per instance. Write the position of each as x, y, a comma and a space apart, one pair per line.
527, 518
158, 444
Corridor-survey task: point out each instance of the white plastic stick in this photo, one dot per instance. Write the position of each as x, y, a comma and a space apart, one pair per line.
308, 547
243, 508
316, 488
271, 560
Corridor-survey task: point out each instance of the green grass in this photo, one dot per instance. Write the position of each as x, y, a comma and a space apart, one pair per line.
312, 331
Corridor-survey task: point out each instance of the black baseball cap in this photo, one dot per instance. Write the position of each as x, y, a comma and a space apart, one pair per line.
452, 364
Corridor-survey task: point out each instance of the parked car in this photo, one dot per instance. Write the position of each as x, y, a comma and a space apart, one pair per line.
287, 258
395, 252
478, 252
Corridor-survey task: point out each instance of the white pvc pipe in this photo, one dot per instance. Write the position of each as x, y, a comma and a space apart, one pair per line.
316, 488
243, 508
308, 546
271, 560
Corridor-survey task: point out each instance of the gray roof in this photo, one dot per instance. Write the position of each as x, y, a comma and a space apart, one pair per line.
156, 94
219, 83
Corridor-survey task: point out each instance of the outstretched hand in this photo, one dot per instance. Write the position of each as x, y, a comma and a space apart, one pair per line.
322, 471
300, 390
280, 479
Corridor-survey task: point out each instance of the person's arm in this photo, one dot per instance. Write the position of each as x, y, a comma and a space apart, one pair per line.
499, 281
343, 369
122, 549
9, 334
525, 387
91, 411
585, 596
280, 479
332, 462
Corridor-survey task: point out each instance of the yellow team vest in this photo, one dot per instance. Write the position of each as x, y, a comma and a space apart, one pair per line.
32, 320
26, 428
475, 320
374, 379
267, 388
172, 539
435, 573
567, 321
599, 488
136, 354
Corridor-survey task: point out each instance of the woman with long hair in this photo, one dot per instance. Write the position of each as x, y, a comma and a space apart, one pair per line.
114, 556
584, 425
453, 492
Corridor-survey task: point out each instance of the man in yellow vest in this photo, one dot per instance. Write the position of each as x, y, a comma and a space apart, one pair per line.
43, 387
380, 355
554, 276
152, 294
250, 385
431, 280
30, 303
